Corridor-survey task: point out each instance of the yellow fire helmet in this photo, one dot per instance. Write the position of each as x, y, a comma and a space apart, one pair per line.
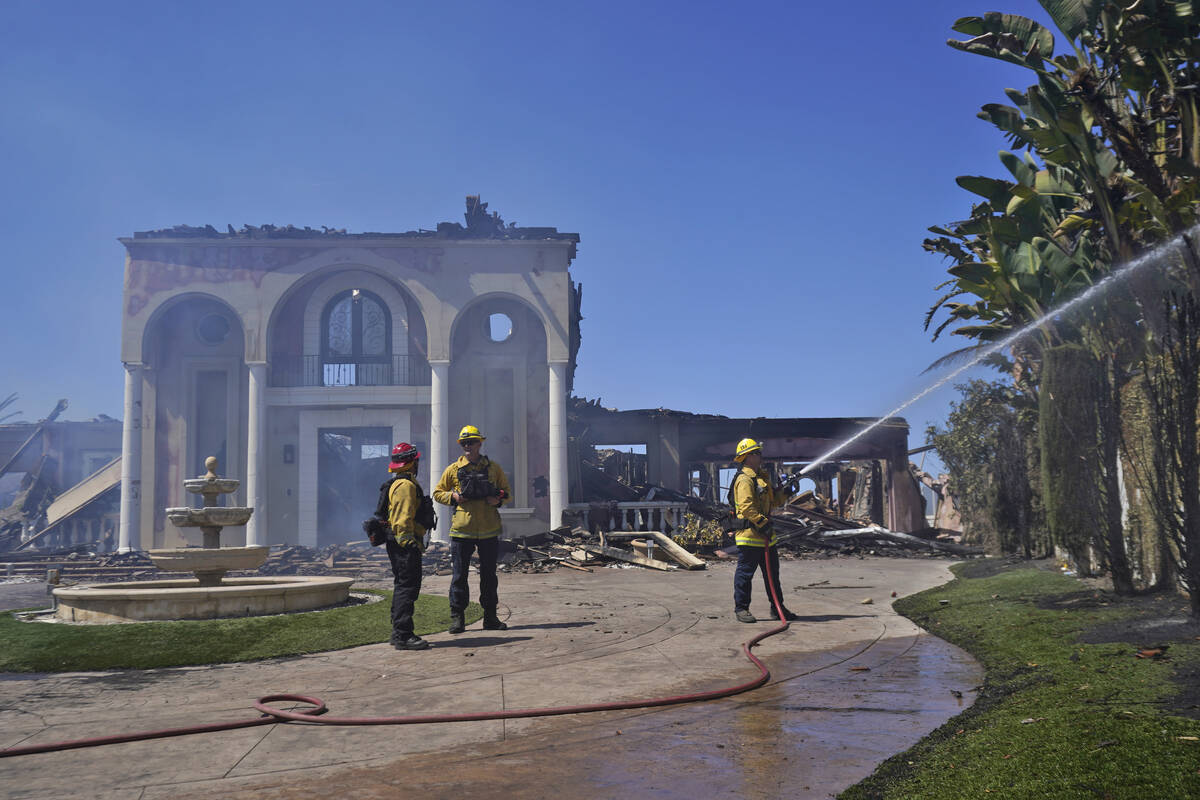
470, 432
745, 447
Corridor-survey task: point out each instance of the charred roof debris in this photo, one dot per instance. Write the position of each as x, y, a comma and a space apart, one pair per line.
58, 484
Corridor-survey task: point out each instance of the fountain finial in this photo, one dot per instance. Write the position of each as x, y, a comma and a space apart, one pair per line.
210, 464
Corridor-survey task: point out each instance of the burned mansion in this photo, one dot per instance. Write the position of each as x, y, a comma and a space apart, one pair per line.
298, 357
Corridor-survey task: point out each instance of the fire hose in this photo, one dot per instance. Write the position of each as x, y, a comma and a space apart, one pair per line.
317, 714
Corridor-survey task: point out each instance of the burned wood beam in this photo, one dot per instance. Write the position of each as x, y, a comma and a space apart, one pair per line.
672, 549
669, 546
58, 409
623, 555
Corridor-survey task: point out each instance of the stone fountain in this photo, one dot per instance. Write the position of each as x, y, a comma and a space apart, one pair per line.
210, 562
209, 594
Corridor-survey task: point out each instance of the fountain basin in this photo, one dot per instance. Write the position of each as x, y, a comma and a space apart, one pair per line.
209, 559
186, 599
209, 563
213, 486
209, 516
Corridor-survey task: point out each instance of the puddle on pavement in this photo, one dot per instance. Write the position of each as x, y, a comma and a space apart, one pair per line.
811, 733
777, 740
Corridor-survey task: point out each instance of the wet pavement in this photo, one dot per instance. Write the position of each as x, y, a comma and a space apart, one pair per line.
851, 685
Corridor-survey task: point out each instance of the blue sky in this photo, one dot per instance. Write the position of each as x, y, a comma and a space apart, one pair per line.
751, 182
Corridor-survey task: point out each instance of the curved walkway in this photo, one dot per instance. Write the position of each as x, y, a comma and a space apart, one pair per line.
852, 684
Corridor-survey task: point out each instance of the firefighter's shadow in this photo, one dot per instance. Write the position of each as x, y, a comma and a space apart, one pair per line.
480, 641
824, 617
547, 625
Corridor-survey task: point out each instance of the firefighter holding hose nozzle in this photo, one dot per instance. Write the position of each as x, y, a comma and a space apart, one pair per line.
753, 498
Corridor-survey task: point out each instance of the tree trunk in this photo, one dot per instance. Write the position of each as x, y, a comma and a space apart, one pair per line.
1174, 401
1109, 402
1189, 461
1068, 429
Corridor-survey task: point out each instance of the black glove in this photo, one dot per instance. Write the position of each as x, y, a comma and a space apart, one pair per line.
732, 524
377, 531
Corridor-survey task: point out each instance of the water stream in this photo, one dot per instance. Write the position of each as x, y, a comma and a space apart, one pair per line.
1150, 257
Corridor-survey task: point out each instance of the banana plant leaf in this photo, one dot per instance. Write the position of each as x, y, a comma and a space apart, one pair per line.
1012, 31
994, 190
1072, 17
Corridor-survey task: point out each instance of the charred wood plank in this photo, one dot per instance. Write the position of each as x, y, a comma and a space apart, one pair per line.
624, 555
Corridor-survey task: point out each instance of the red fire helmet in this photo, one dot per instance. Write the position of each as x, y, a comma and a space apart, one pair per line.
403, 453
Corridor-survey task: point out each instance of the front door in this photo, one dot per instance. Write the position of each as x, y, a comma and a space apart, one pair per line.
351, 464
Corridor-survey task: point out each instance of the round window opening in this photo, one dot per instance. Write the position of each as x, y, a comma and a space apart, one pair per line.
213, 328
500, 327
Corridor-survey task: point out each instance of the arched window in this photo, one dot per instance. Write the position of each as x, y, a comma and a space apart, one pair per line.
356, 340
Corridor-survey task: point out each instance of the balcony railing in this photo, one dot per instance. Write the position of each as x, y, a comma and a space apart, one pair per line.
316, 371
639, 515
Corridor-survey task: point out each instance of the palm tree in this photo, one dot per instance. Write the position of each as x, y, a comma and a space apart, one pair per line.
5, 403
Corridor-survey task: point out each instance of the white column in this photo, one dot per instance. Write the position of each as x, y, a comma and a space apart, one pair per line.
439, 413
256, 451
558, 441
129, 536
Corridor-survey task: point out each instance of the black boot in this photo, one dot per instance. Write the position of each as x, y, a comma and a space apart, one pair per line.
457, 623
492, 623
411, 643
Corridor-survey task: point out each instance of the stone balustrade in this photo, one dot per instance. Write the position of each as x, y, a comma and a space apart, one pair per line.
638, 515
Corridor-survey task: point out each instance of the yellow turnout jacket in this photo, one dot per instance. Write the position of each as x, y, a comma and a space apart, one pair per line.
473, 519
753, 500
403, 499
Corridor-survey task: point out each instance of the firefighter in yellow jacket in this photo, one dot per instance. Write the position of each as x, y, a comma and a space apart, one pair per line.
753, 498
476, 486
405, 545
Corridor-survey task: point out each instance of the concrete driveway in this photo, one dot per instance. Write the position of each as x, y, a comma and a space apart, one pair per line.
24, 594
851, 685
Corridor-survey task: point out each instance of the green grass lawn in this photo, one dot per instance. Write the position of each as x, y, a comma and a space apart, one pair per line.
45, 647
1057, 717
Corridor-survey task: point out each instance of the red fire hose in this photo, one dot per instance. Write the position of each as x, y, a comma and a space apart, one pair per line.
317, 714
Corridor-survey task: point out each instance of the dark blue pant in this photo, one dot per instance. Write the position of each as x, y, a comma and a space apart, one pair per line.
406, 573
460, 559
749, 560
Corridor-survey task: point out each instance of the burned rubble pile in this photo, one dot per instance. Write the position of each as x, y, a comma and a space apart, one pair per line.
356, 559
598, 537
75, 565
605, 534
807, 527
813, 532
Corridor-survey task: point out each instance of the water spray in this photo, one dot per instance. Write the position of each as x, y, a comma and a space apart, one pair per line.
1113, 277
